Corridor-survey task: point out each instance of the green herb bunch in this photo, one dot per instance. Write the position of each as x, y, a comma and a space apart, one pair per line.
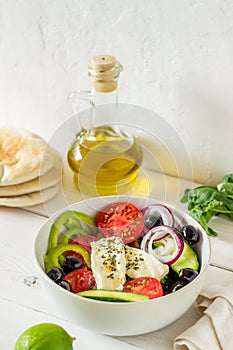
205, 202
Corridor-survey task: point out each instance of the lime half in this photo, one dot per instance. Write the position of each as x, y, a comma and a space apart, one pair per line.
44, 336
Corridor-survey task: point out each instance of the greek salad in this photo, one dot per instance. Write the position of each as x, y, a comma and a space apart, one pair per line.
124, 254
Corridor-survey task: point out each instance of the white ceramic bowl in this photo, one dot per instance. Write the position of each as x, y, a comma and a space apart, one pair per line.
121, 318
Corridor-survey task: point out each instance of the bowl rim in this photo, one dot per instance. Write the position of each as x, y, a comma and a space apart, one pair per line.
115, 304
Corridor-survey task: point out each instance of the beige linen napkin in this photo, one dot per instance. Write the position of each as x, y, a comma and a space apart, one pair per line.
214, 330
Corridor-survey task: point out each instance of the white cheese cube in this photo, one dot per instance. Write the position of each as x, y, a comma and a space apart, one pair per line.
142, 264
108, 263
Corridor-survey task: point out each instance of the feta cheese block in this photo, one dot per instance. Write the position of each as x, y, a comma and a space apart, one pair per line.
142, 264
108, 263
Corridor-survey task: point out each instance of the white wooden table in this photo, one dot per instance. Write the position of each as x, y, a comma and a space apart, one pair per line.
23, 304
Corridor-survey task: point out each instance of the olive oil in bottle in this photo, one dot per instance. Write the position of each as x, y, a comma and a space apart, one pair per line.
105, 159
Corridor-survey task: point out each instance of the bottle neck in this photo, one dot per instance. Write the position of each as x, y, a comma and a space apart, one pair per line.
104, 72
100, 98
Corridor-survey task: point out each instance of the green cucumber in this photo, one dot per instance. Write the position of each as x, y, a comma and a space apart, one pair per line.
113, 295
188, 259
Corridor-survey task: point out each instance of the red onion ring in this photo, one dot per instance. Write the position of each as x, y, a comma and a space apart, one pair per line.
159, 233
162, 210
162, 237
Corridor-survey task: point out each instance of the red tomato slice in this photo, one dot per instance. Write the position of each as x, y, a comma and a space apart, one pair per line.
145, 285
121, 219
80, 280
84, 241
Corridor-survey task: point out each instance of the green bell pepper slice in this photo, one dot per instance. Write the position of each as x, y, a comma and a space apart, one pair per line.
62, 223
66, 221
52, 259
72, 233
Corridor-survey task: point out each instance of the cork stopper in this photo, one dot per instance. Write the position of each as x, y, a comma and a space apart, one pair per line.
104, 72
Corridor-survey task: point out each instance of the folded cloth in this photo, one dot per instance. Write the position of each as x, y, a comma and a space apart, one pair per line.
214, 330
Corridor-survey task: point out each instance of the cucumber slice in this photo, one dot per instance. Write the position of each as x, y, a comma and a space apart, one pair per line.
188, 259
113, 295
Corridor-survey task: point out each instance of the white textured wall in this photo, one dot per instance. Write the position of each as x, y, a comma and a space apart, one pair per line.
178, 59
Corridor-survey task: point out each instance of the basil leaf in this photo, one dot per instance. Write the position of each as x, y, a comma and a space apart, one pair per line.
205, 202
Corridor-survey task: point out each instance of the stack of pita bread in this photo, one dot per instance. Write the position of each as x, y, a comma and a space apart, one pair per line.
30, 170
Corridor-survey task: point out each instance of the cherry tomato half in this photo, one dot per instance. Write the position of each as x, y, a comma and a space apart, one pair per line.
80, 280
145, 285
84, 241
121, 219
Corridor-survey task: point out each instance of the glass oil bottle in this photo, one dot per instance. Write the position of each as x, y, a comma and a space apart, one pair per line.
104, 158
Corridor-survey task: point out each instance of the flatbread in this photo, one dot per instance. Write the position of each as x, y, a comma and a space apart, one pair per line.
49, 179
30, 199
23, 156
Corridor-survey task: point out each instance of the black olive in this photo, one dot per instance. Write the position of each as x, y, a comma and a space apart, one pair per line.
55, 274
169, 281
177, 287
187, 275
72, 263
152, 221
190, 234
64, 284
